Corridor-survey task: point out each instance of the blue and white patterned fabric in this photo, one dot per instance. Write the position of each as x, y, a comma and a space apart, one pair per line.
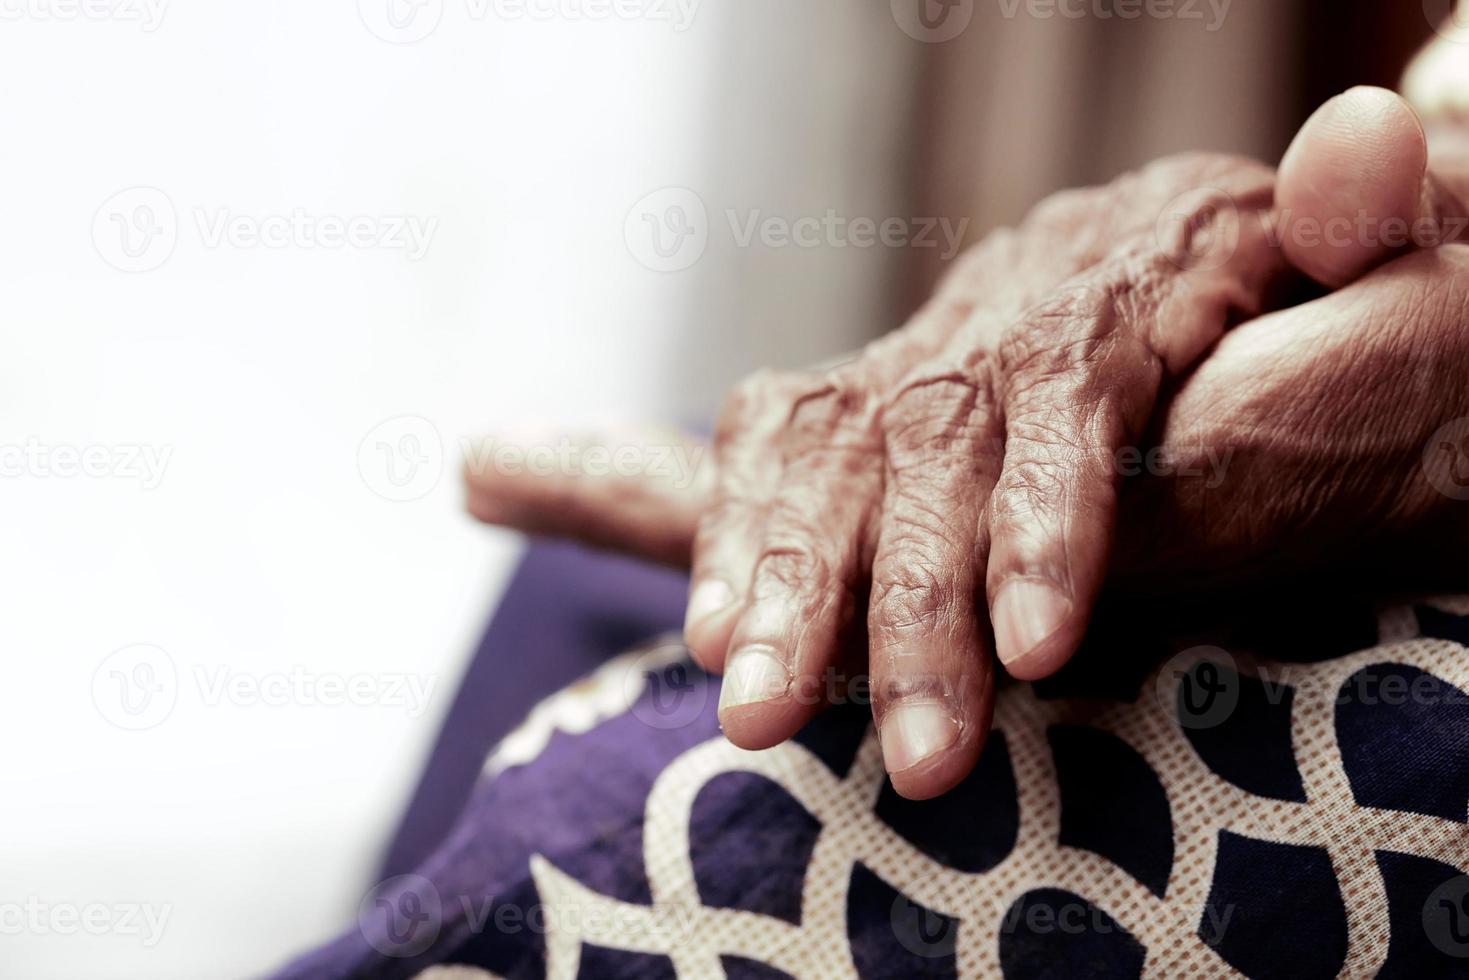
1293, 806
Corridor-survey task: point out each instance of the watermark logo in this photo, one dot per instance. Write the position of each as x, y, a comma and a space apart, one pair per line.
402, 459
665, 691
933, 21
302, 688
1188, 462
410, 21
401, 21
1362, 230
1450, 18
668, 230
136, 230
922, 931
1199, 229
1446, 917
676, 463
136, 687
1201, 686
147, 14
1446, 460
402, 916
144, 464
1211, 13
34, 917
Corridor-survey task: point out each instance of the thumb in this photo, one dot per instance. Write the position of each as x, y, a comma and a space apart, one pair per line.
1355, 188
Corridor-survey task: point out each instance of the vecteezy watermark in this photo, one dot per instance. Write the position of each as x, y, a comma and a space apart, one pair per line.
676, 463
138, 229
33, 917
1362, 229
138, 687
1042, 912
1199, 230
1385, 685
147, 14
834, 230
1446, 917
933, 21
669, 230
1446, 460
1211, 13
665, 690
1450, 18
145, 464
919, 929
1200, 687
402, 916
410, 21
1202, 462
403, 459
302, 688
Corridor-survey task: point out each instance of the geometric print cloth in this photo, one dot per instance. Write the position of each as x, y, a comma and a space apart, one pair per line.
1283, 800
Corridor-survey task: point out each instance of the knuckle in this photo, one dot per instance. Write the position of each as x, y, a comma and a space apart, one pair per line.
937, 412
1083, 325
907, 594
790, 567
1069, 328
1028, 490
1055, 434
834, 410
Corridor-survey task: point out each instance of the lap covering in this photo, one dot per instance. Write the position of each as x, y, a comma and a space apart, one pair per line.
1287, 806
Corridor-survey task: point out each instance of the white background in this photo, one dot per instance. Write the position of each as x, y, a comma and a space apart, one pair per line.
264, 549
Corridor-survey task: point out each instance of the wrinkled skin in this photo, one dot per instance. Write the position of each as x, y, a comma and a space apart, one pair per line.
971, 460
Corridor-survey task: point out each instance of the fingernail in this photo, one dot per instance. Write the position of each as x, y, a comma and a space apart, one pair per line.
755, 675
1026, 613
912, 733
708, 598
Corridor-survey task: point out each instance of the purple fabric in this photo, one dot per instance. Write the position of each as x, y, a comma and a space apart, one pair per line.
566, 610
577, 811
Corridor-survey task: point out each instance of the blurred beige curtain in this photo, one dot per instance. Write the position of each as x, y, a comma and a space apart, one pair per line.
827, 104
1021, 106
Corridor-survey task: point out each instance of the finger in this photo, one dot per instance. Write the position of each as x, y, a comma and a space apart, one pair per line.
1355, 188
1082, 374
727, 541
802, 594
932, 681
640, 494
1273, 432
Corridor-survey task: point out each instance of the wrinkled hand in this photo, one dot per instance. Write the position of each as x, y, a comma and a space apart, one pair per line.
982, 438
978, 436
971, 455
1343, 429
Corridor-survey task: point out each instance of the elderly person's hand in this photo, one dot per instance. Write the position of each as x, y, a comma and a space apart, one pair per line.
1345, 423
980, 444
